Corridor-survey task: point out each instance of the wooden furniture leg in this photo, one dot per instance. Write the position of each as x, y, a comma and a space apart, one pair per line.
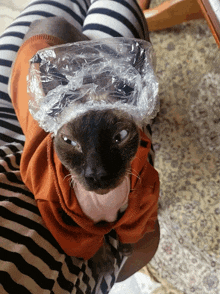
171, 13
211, 11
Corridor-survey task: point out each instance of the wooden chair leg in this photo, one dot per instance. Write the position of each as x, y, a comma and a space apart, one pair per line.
171, 13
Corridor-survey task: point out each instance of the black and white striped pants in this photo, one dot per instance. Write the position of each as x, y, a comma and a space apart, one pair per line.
31, 261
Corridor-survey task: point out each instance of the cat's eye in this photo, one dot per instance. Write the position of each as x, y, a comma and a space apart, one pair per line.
71, 142
121, 136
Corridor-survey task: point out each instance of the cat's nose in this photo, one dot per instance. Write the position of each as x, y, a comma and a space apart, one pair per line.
95, 175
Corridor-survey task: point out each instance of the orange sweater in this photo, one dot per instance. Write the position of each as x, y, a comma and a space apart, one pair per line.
43, 174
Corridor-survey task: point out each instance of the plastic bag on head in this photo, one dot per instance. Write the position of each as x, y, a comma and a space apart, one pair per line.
67, 80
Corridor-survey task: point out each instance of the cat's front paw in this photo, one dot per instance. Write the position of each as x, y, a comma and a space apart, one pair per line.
103, 261
125, 249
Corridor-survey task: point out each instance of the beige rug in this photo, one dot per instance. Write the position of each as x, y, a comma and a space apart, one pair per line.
186, 137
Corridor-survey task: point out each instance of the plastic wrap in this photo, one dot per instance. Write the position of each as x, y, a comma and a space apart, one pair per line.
67, 80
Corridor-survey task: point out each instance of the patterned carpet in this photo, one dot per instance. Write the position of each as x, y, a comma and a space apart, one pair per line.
187, 143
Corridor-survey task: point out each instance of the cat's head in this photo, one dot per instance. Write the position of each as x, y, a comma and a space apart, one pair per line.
98, 147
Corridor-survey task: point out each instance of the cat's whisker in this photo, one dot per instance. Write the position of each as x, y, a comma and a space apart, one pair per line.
71, 180
69, 175
128, 172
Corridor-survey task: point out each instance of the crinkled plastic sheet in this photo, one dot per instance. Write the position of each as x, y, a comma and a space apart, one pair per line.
67, 80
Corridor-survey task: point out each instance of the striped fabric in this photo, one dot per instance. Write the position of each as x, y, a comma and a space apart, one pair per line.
121, 19
31, 261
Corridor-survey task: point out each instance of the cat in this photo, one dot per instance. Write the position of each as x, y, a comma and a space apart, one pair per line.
97, 149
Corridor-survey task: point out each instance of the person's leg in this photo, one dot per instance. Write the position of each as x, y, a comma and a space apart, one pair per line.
31, 260
115, 18
73, 11
12, 139
104, 22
